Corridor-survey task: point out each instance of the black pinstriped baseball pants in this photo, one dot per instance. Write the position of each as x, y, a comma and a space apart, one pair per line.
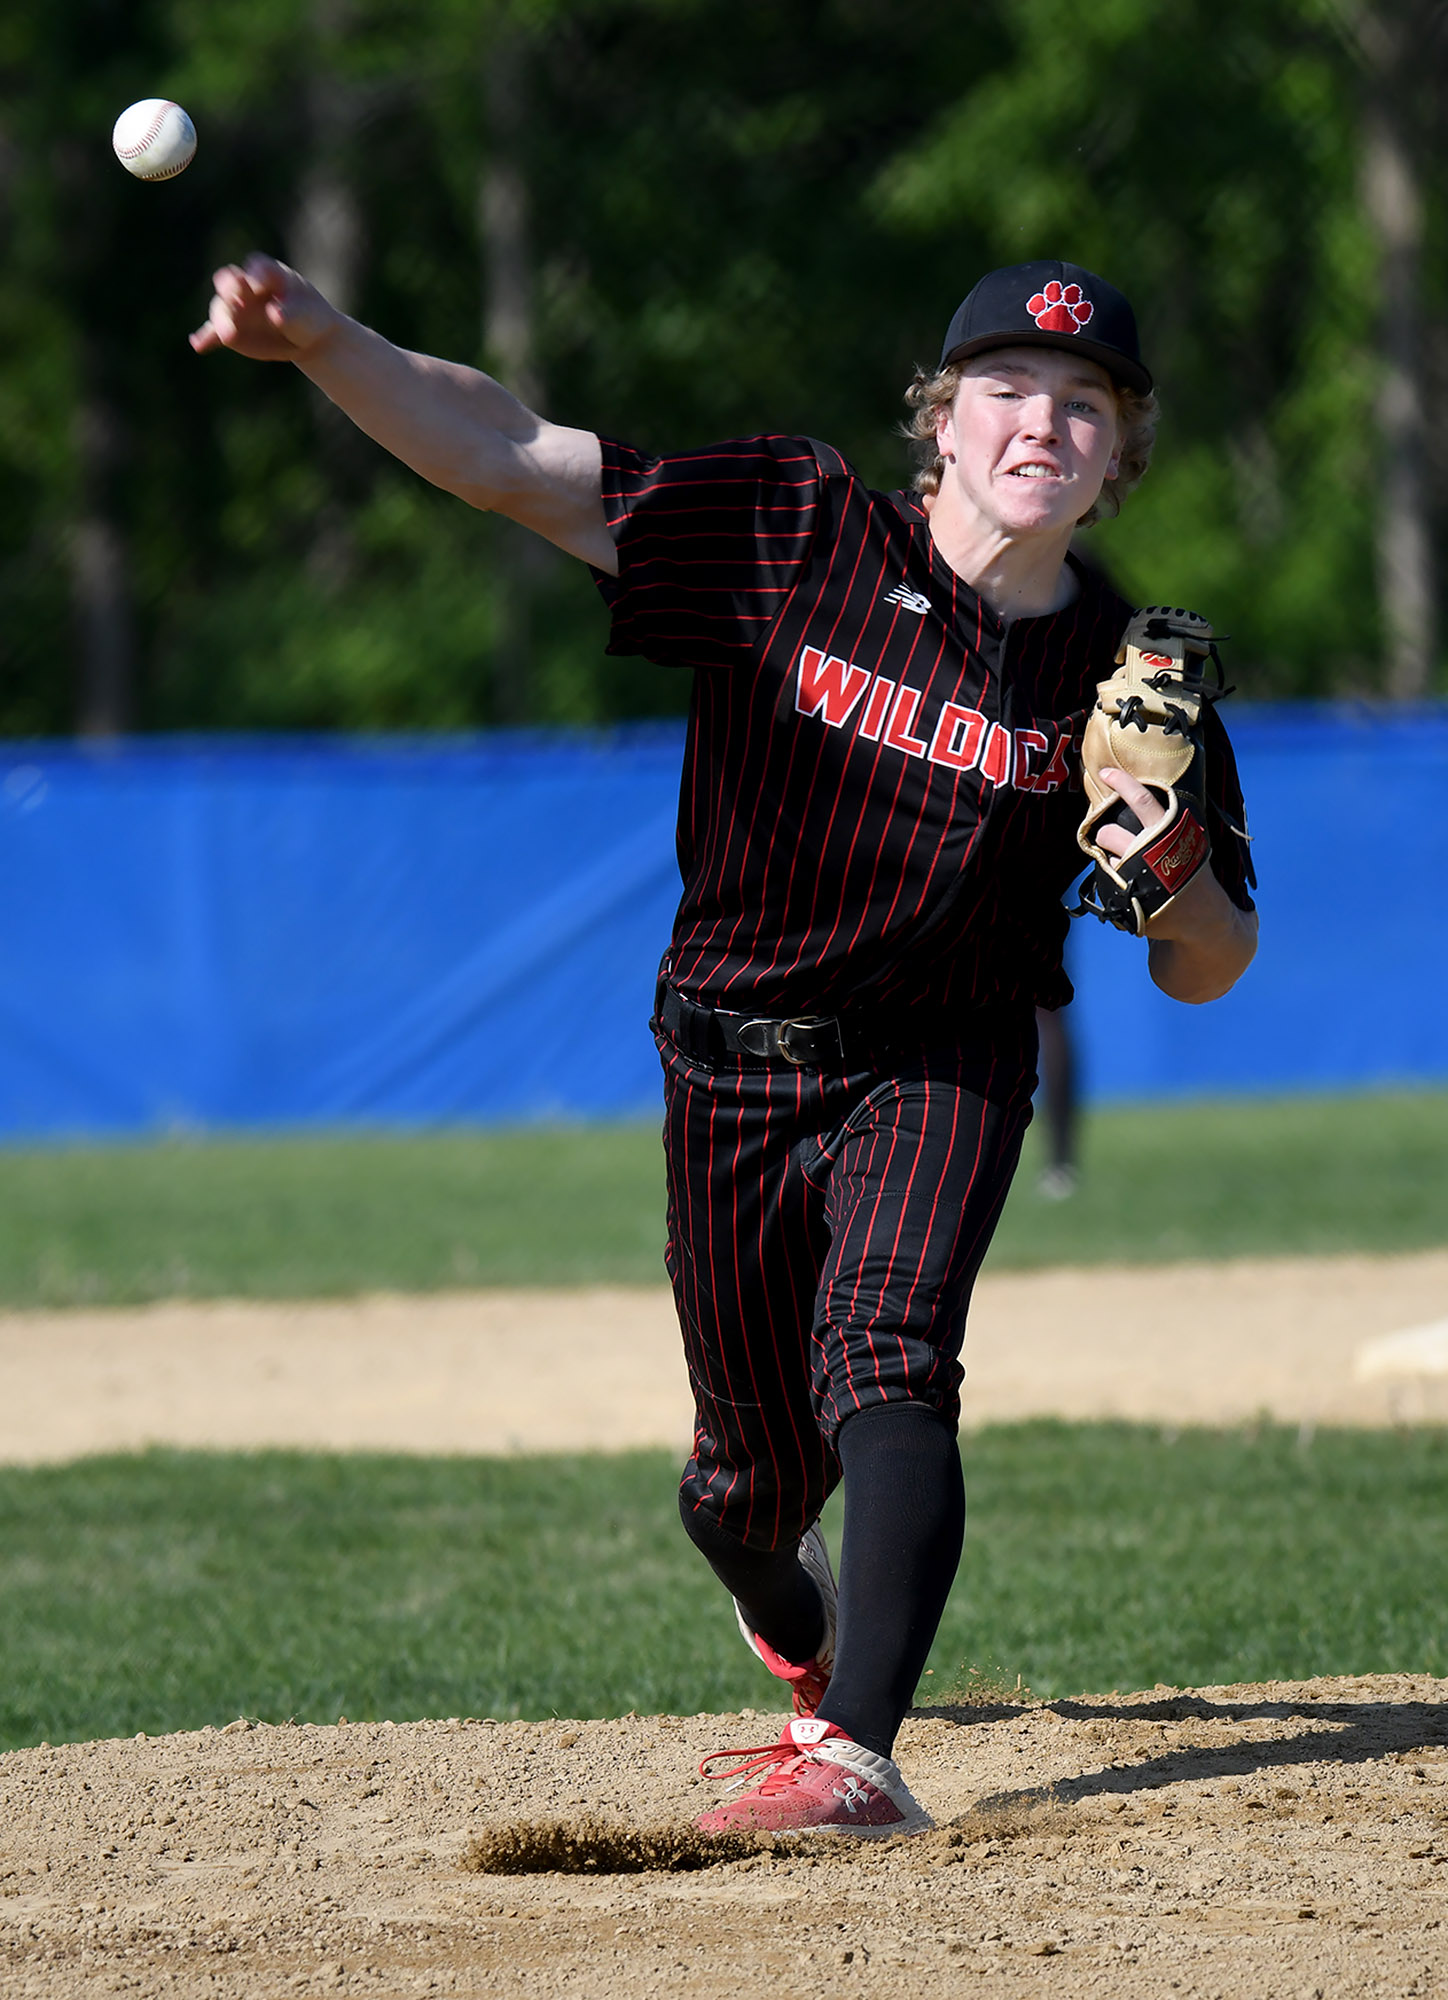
824, 1233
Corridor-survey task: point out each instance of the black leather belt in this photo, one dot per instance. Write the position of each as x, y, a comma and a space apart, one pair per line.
809, 1041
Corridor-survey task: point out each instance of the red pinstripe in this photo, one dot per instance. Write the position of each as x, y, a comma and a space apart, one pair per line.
808, 802
868, 1174
829, 944
745, 824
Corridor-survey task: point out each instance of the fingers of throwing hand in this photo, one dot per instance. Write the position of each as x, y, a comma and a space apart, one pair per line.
248, 312
236, 287
267, 277
262, 309
219, 329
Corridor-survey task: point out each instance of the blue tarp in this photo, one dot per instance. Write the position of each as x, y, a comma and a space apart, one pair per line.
281, 931
1349, 816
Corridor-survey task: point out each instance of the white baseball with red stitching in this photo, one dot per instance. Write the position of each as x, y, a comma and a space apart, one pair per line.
154, 140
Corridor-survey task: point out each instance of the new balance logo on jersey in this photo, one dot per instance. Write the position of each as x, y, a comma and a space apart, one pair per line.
908, 600
842, 694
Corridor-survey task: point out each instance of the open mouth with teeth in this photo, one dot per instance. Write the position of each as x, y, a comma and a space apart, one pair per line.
1034, 472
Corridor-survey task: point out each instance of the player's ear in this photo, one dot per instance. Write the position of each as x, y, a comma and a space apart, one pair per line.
944, 424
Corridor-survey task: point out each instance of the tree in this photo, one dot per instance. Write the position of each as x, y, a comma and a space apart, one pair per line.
1201, 156
1389, 39
677, 219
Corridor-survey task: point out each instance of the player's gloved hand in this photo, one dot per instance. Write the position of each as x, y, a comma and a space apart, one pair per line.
1200, 911
266, 311
1148, 725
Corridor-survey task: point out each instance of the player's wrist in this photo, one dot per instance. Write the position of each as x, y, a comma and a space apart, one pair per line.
1200, 912
325, 341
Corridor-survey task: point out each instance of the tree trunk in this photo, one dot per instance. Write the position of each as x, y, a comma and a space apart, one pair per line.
1393, 200
326, 243
97, 549
510, 353
100, 576
503, 222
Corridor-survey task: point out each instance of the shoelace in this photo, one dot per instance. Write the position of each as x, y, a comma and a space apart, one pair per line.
810, 1687
785, 1757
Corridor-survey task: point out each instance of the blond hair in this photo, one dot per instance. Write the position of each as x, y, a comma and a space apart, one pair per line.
930, 392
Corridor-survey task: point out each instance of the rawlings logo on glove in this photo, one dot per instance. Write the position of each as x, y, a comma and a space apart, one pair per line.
1148, 722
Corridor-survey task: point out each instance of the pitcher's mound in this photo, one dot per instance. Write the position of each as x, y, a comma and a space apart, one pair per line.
1247, 1841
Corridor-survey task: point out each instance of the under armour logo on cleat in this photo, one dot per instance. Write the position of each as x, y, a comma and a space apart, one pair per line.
853, 1795
908, 600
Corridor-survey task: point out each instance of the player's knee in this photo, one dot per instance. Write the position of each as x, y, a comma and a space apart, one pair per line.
903, 1423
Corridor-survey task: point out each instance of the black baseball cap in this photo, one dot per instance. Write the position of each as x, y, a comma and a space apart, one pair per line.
1049, 304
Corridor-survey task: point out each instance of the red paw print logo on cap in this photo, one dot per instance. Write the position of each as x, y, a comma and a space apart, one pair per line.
1060, 308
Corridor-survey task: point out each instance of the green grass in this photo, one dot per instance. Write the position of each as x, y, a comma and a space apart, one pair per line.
172, 1589
1106, 1556
303, 1217
1241, 1178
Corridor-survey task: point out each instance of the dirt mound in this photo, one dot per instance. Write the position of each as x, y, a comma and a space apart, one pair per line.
1273, 1841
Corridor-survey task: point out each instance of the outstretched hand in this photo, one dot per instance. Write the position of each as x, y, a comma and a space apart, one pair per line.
264, 310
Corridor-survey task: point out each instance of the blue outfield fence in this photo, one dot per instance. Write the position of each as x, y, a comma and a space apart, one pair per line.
1349, 817
231, 932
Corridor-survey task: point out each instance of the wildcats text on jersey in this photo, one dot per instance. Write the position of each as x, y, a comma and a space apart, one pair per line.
843, 695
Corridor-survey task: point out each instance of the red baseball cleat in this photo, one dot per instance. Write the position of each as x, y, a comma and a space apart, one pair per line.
815, 1779
809, 1681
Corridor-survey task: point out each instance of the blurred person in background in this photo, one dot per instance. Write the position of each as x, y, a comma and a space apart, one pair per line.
877, 825
1058, 1099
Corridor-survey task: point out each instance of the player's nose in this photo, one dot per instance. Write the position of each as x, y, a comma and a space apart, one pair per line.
1040, 417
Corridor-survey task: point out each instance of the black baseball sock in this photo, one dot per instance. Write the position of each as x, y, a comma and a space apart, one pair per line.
779, 1601
904, 1526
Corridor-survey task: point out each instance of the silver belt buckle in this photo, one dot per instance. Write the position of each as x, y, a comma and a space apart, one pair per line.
785, 1028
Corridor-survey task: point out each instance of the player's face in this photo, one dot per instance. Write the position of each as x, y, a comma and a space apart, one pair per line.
1031, 436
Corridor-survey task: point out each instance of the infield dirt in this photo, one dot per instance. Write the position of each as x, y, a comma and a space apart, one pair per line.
1224, 1844
602, 1370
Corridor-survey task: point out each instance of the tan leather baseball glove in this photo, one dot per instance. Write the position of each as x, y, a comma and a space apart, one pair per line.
1148, 721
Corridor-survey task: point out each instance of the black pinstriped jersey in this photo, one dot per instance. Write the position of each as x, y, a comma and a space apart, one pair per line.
879, 797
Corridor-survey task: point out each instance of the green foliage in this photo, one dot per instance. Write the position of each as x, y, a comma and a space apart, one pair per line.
1228, 211
307, 1217
174, 1589
741, 217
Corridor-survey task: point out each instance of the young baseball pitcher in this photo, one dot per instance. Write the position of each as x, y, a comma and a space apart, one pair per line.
894, 709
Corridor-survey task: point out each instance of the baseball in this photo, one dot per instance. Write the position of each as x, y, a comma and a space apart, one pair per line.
154, 140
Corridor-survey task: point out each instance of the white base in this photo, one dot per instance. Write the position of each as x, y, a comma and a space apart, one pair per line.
1416, 1351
